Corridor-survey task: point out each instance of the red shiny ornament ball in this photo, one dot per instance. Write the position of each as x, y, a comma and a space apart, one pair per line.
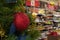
54, 34
21, 21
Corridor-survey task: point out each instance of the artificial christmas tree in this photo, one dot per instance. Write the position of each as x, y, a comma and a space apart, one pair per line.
10, 26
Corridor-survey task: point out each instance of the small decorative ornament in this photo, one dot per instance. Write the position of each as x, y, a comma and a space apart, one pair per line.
54, 33
28, 3
51, 7
52, 3
12, 29
41, 11
34, 14
2, 32
34, 3
21, 21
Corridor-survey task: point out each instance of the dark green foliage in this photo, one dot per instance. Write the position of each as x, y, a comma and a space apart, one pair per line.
6, 18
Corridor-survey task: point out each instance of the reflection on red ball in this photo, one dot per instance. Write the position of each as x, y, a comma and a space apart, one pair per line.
21, 21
